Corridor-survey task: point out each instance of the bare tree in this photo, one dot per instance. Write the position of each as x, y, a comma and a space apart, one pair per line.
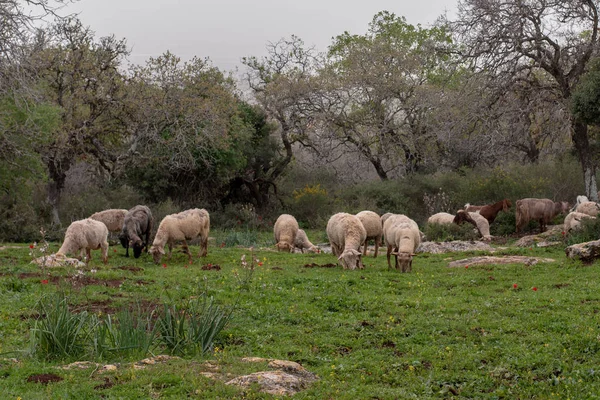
524, 39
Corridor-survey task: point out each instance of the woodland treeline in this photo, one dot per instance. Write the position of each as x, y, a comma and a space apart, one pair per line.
505, 82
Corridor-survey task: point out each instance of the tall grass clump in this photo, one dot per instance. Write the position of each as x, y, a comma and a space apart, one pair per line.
192, 327
58, 332
128, 334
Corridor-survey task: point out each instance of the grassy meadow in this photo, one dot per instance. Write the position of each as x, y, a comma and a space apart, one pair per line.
492, 331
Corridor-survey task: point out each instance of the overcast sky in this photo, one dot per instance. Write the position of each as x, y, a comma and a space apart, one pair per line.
227, 30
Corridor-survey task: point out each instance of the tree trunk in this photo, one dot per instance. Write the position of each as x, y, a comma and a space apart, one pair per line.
56, 185
582, 145
54, 200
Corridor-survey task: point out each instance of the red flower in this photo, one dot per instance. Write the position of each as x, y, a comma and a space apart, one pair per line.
534, 289
114, 250
466, 266
514, 285
164, 265
563, 233
44, 281
222, 244
260, 263
31, 246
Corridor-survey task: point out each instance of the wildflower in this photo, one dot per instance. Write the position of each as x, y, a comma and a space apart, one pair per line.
31, 246
563, 233
44, 281
222, 244
164, 266
114, 250
514, 285
534, 289
260, 263
466, 266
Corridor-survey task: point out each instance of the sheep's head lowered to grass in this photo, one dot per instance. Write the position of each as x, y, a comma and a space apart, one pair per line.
157, 253
351, 259
404, 261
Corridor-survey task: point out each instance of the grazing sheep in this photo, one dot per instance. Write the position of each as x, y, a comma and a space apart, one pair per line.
285, 231
482, 224
186, 225
590, 208
303, 243
372, 223
86, 234
542, 210
112, 218
573, 221
402, 237
580, 200
442, 218
346, 234
138, 222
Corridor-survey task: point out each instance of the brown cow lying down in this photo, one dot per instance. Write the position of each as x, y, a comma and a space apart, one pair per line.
542, 210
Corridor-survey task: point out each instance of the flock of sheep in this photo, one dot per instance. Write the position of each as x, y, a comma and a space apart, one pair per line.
347, 233
133, 225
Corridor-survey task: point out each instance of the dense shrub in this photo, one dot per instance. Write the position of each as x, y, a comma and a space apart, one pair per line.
450, 232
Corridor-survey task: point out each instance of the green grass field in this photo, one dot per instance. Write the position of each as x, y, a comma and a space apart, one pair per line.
493, 331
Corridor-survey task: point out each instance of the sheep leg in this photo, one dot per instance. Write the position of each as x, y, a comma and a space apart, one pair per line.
187, 251
170, 250
365, 249
88, 254
377, 244
204, 247
104, 248
148, 230
389, 251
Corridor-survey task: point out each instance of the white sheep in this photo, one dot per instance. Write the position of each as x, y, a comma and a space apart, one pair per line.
186, 225
580, 200
85, 235
346, 234
372, 223
402, 237
573, 221
112, 218
590, 208
303, 243
482, 224
442, 218
285, 231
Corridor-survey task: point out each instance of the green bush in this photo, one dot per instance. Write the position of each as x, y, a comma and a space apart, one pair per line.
450, 232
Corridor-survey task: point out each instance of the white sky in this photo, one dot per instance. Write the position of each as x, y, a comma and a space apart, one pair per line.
227, 30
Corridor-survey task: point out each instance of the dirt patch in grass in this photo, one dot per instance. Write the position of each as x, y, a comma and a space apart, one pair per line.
277, 268
44, 378
315, 265
131, 268
106, 385
80, 281
209, 267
